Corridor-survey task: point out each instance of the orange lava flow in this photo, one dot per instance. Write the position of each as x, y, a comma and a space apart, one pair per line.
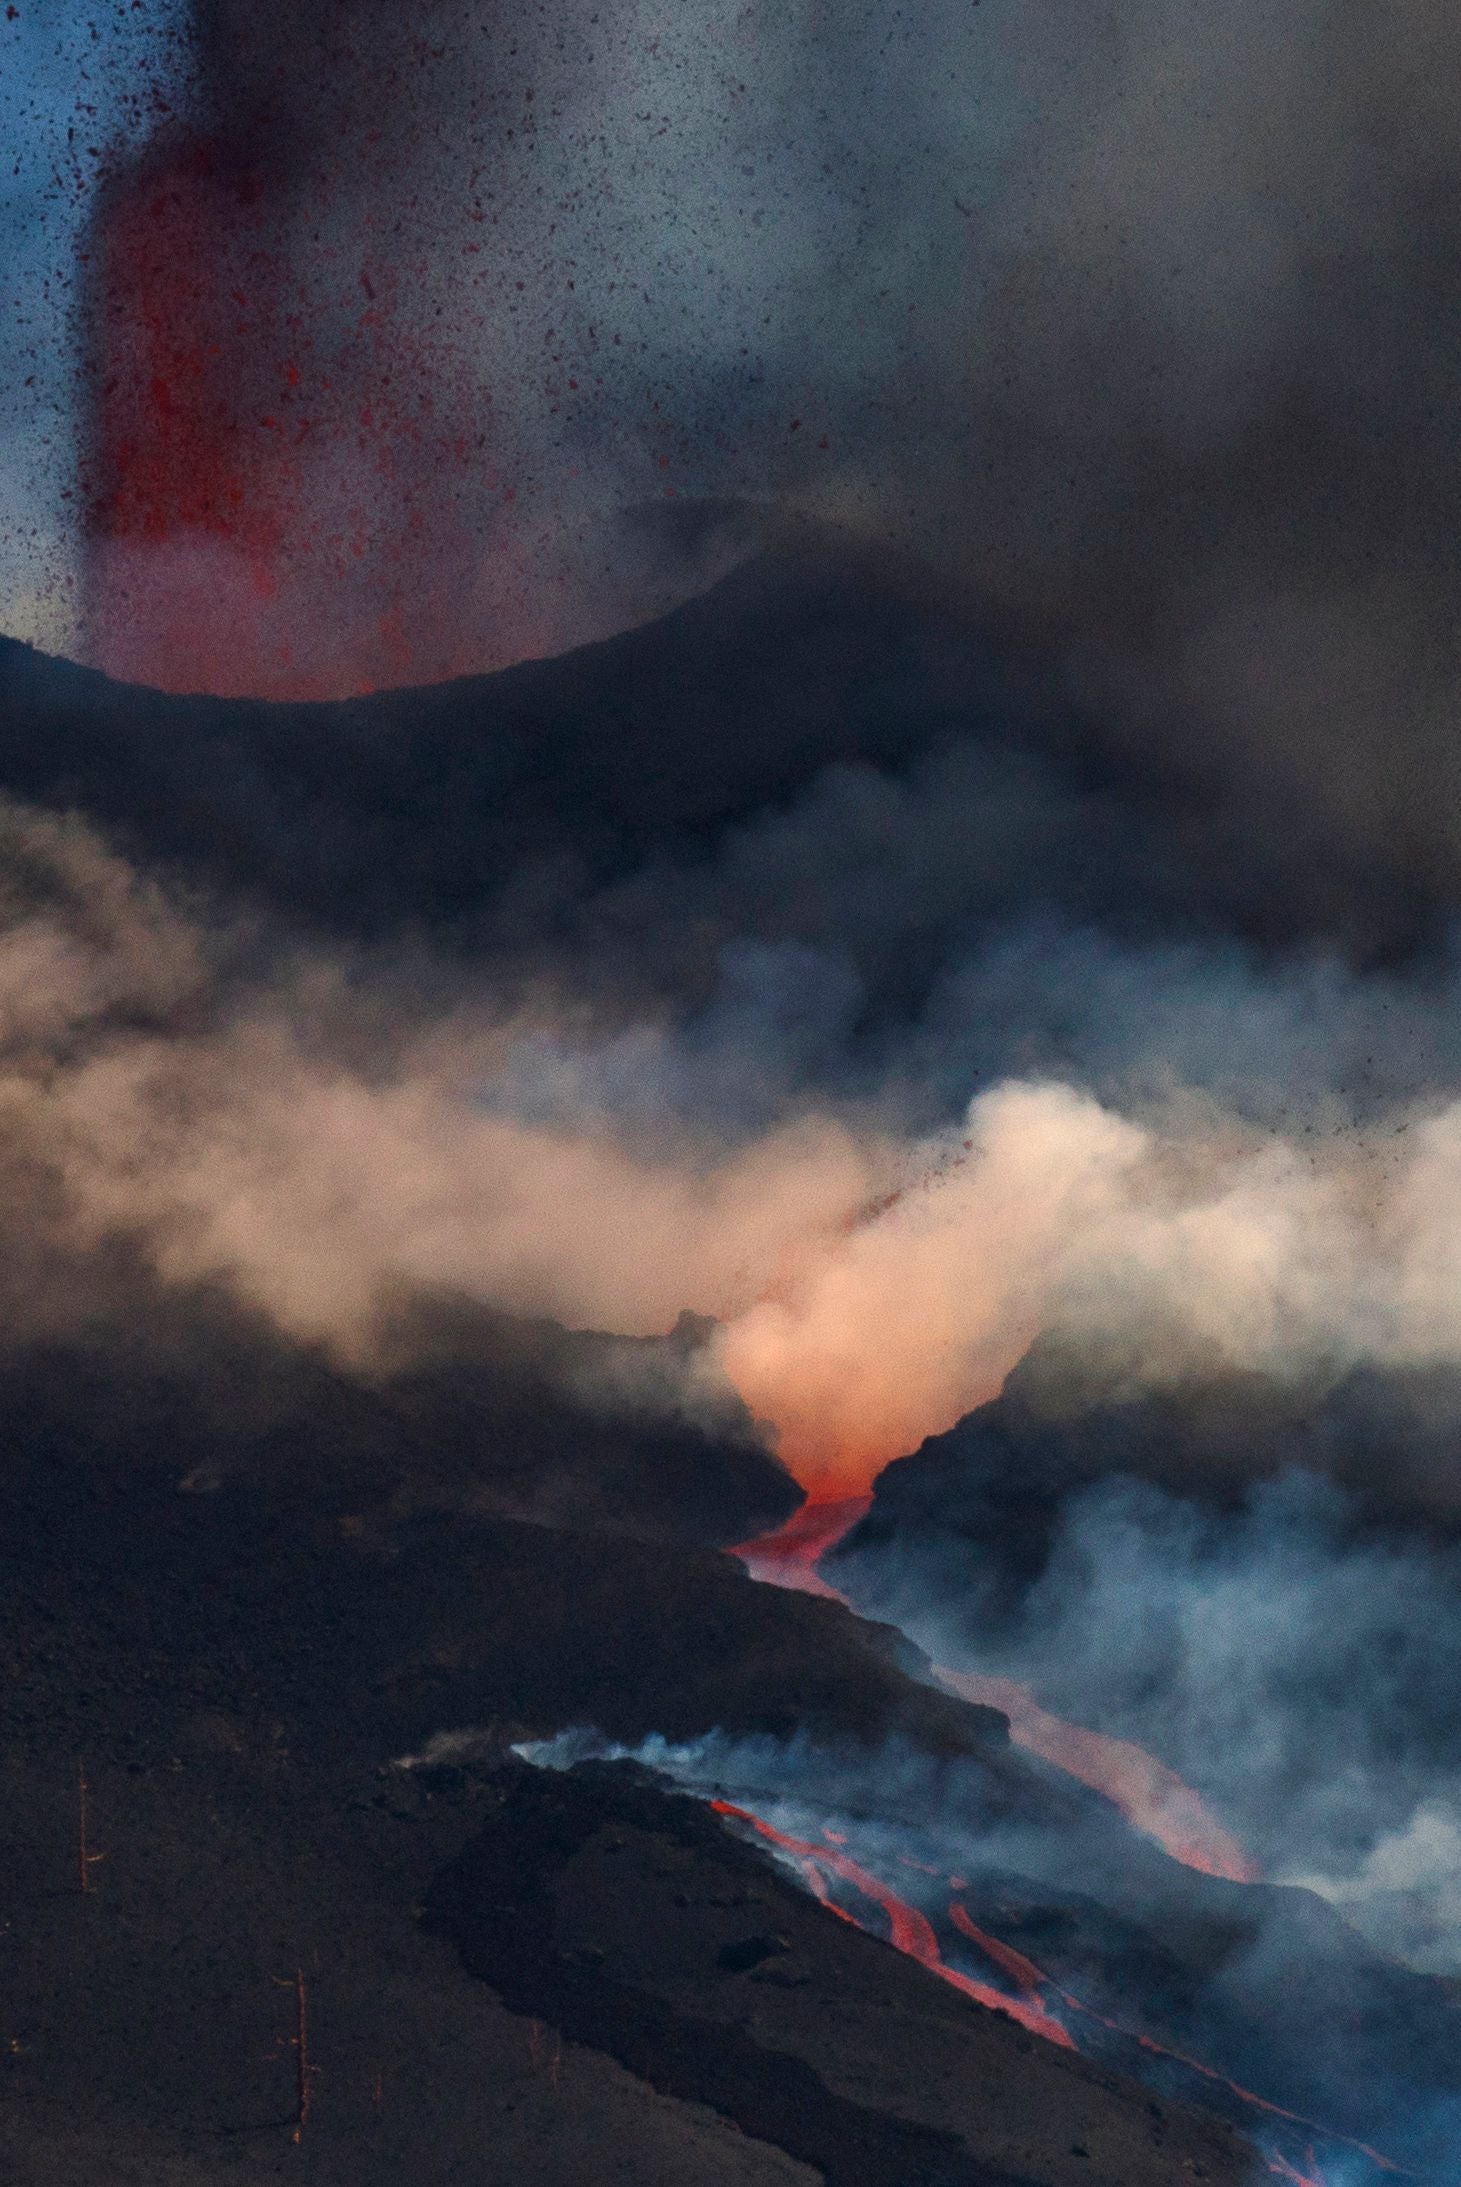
788, 1558
1152, 1797
908, 1930
911, 1932
1023, 1972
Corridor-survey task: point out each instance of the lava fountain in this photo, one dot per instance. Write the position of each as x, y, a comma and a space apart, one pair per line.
290, 481
283, 495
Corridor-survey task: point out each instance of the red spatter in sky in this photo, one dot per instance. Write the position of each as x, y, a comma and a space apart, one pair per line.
285, 489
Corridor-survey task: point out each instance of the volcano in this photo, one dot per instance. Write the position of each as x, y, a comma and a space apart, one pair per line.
730, 1095
441, 1731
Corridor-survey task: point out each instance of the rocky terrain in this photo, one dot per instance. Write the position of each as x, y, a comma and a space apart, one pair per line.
510, 1974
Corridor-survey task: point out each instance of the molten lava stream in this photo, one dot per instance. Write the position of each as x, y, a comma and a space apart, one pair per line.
789, 1556
1152, 1797
908, 1930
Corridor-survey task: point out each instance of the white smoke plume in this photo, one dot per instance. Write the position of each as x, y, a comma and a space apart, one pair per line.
321, 1139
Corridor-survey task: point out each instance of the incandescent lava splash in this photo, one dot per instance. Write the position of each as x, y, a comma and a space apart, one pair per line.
284, 494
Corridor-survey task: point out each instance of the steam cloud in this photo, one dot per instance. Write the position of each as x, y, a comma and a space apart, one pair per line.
321, 1135
306, 1135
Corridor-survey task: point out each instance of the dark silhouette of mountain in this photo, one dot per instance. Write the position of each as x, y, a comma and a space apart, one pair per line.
495, 811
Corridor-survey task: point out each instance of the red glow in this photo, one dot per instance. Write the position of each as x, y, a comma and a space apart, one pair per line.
1244, 2095
1282, 2169
1152, 1797
789, 1556
908, 1930
1023, 1972
911, 1932
280, 491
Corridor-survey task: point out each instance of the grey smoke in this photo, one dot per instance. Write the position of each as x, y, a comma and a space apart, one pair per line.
1300, 1674
1135, 319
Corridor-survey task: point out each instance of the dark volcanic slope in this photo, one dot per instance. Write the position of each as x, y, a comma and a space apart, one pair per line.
235, 1673
147, 2027
1069, 1417
483, 1411
632, 1920
425, 805
512, 811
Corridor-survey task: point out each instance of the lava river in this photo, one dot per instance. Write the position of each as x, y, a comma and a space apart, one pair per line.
942, 1933
1152, 1797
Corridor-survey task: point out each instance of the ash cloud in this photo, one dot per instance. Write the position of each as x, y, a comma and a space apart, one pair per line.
1136, 321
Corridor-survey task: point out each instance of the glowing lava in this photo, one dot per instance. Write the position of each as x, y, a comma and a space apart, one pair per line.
1022, 1992
1152, 1797
788, 1558
908, 1930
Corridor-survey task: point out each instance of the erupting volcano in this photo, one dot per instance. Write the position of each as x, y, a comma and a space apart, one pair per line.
730, 1021
288, 485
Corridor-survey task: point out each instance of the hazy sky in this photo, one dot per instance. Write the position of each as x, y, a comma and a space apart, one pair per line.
76, 77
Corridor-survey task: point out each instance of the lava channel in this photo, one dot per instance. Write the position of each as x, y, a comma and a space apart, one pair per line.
1021, 1991
1152, 1797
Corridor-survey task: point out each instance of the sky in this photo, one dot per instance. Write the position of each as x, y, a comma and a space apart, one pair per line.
76, 77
